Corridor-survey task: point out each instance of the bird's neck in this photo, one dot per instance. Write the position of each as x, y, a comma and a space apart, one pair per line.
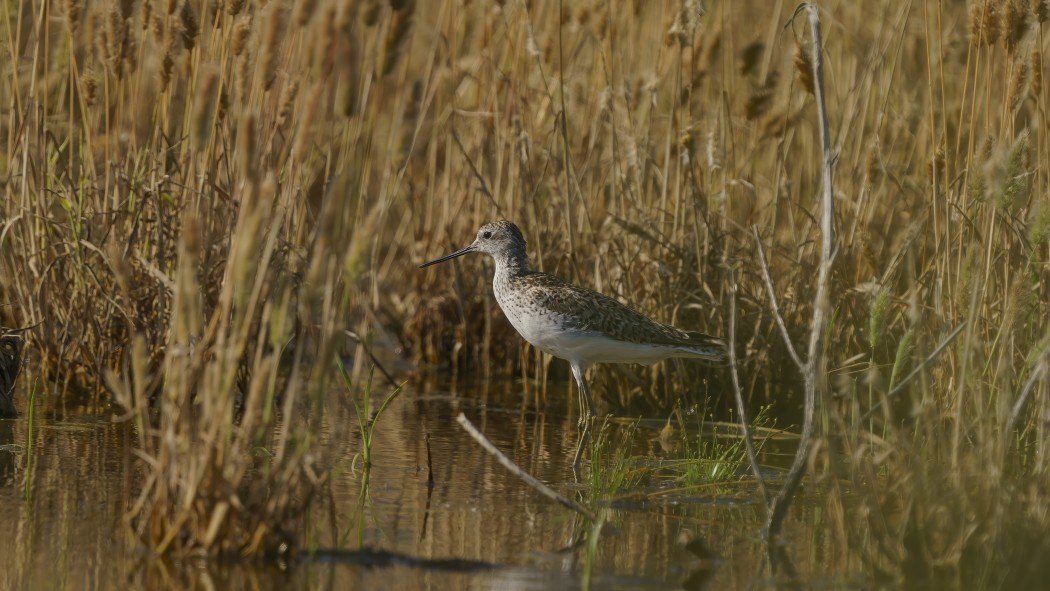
511, 267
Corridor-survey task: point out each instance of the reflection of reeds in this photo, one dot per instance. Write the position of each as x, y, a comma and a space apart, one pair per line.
195, 255
11, 345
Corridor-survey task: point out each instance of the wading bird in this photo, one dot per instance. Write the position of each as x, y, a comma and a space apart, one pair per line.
573, 323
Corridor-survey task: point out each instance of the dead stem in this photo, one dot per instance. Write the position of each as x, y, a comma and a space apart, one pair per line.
527, 478
815, 368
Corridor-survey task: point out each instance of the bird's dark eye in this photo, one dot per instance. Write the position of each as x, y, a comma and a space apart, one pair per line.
486, 235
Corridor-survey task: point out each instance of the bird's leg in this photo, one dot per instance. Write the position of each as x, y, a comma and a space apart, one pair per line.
586, 406
586, 410
585, 430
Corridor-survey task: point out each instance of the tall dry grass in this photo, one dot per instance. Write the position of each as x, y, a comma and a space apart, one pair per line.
201, 195
191, 189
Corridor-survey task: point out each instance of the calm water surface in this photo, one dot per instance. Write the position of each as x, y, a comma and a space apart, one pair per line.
61, 508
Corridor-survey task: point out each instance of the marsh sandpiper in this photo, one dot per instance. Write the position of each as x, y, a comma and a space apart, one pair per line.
573, 323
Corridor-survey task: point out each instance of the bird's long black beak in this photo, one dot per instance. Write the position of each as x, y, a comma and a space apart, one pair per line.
458, 253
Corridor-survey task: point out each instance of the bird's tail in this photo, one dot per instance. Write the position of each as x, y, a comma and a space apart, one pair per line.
708, 347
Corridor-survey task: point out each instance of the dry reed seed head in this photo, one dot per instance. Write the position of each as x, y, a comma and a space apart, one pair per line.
977, 189
130, 56
247, 146
147, 14
370, 15
167, 63
190, 25
1022, 301
234, 7
330, 29
1019, 85
687, 143
697, 12
684, 24
158, 26
761, 99
90, 82
872, 169
674, 35
985, 153
713, 150
1014, 189
100, 23
288, 96
532, 47
73, 9
1041, 10
691, 13
936, 164
583, 16
244, 77
1015, 23
775, 123
271, 45
877, 319
400, 23
224, 104
601, 24
109, 37
750, 57
758, 103
118, 44
984, 22
804, 69
1039, 229
242, 28
304, 9
126, 8
904, 349
204, 107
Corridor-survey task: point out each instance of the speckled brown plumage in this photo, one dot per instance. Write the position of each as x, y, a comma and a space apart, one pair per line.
589, 311
574, 323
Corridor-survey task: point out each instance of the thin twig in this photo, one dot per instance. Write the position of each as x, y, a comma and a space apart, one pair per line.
745, 424
815, 370
1037, 372
515, 470
484, 187
773, 302
368, 350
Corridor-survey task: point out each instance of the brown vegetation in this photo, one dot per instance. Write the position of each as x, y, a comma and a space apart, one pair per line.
197, 192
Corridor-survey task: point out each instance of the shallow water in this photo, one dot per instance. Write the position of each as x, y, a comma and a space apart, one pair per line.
478, 526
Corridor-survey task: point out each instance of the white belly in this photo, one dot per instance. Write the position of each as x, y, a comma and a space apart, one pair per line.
548, 334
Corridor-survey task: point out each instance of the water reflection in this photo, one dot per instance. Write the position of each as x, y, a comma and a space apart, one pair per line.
473, 526
8, 451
